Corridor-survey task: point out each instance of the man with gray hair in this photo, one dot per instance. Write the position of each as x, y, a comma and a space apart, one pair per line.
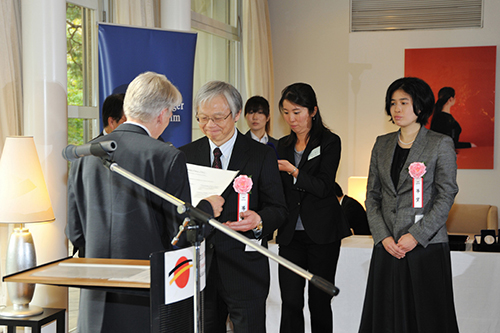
113, 217
238, 277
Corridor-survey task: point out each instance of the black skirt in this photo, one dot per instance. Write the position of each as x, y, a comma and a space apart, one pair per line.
413, 294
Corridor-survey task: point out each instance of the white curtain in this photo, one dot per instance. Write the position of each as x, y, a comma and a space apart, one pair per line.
11, 110
139, 13
257, 51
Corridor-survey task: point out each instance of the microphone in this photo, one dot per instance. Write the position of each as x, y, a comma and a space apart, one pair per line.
72, 152
182, 227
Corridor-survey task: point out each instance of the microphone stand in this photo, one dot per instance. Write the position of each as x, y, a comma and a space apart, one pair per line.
201, 217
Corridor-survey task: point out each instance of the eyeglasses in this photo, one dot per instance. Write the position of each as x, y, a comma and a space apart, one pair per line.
217, 119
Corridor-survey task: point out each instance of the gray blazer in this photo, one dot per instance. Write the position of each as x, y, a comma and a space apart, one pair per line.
390, 210
114, 218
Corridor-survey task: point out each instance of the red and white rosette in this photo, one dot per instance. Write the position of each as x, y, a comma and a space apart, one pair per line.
417, 171
243, 185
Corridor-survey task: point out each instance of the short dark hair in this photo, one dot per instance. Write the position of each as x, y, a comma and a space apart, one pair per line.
258, 103
444, 95
303, 94
420, 93
112, 107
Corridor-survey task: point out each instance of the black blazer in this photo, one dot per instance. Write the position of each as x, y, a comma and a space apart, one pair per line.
313, 195
244, 274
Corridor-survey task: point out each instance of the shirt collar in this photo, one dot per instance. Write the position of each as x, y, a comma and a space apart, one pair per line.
264, 139
140, 125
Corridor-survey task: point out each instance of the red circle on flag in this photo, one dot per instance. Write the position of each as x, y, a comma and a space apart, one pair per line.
182, 279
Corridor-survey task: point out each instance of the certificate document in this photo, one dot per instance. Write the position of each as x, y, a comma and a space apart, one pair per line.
205, 181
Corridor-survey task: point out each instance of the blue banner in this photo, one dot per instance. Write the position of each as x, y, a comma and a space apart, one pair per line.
125, 52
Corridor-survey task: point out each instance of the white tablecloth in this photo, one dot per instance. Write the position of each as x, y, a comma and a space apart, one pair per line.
476, 286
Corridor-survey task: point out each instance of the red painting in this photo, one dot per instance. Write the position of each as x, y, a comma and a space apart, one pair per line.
470, 71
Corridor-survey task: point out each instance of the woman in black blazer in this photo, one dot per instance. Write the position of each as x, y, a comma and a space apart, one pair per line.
309, 159
257, 116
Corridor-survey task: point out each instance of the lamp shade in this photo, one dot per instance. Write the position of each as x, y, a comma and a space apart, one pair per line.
356, 188
23, 193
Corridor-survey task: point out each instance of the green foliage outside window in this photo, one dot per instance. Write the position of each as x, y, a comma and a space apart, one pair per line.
74, 57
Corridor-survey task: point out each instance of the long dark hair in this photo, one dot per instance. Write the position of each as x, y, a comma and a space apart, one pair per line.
444, 95
303, 94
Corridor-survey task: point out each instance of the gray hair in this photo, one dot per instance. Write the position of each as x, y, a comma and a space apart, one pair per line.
149, 94
213, 89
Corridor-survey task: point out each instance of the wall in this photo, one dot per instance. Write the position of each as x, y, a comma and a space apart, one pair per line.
351, 72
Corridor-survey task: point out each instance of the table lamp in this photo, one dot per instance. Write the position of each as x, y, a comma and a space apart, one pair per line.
23, 199
356, 188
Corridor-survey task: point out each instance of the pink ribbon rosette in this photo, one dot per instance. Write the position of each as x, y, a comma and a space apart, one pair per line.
417, 171
243, 185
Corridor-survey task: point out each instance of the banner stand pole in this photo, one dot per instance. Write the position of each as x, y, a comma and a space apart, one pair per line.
194, 235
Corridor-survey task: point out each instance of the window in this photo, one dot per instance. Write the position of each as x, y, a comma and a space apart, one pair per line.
218, 49
82, 111
218, 57
83, 114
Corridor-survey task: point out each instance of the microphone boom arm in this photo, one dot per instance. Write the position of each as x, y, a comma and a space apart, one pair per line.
201, 216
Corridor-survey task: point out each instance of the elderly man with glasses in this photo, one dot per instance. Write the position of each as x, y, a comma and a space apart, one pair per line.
238, 278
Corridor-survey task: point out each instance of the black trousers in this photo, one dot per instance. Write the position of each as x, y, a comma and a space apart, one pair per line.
247, 316
319, 259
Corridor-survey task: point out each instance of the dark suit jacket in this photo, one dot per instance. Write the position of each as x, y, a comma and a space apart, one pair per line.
390, 209
271, 139
113, 217
356, 216
313, 195
244, 274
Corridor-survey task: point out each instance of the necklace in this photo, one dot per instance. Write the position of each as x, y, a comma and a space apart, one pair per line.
405, 143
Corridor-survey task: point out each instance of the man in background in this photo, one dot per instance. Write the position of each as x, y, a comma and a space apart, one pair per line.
354, 212
112, 113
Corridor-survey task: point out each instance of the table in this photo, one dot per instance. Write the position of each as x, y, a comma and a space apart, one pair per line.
36, 322
476, 286
98, 273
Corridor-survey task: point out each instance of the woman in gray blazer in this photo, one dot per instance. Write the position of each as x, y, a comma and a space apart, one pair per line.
411, 187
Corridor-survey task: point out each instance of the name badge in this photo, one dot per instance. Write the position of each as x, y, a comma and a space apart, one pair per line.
251, 249
243, 202
418, 186
314, 153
